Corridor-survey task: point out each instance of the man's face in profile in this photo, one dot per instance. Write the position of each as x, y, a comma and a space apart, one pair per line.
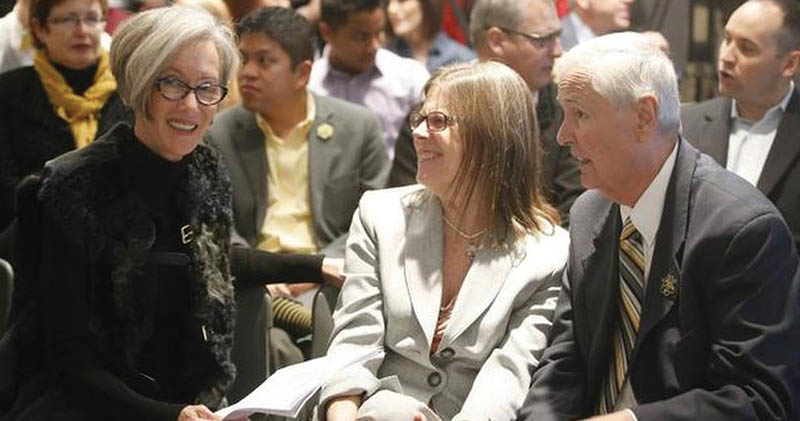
533, 56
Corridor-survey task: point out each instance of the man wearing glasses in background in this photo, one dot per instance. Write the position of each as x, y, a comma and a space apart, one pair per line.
524, 35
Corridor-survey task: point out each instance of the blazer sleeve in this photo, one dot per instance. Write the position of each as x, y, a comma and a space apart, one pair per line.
509, 367
358, 319
558, 389
253, 267
752, 307
375, 163
373, 170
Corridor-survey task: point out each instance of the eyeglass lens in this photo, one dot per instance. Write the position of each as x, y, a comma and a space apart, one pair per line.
436, 121
175, 89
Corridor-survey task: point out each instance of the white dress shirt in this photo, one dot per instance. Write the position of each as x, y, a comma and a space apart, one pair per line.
750, 141
646, 217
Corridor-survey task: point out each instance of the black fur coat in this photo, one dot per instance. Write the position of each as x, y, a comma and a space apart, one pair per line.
79, 207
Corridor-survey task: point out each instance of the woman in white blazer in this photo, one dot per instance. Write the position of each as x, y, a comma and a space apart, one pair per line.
455, 279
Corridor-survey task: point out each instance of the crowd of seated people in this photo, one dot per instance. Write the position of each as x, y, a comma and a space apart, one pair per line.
152, 168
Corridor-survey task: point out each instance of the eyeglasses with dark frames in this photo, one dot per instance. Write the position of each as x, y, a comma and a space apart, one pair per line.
206, 93
539, 41
435, 121
91, 20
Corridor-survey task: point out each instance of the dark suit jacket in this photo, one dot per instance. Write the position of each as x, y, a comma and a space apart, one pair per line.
559, 173
341, 168
31, 133
707, 126
723, 347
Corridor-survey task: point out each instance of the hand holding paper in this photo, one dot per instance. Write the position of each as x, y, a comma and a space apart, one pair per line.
286, 391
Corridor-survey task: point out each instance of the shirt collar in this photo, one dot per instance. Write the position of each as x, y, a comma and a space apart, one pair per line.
379, 67
646, 213
303, 125
582, 31
779, 107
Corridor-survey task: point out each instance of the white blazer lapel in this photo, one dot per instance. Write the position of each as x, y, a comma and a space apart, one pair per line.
481, 285
423, 263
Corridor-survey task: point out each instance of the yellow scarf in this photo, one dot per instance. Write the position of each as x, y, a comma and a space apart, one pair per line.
81, 112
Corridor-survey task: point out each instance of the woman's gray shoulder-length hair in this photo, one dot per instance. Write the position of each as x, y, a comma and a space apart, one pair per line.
144, 45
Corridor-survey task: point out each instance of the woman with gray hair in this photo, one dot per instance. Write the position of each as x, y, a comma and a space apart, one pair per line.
124, 307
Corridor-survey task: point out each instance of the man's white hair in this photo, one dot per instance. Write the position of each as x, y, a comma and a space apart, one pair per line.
624, 66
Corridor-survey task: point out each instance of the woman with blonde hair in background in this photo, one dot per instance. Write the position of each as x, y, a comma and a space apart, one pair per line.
62, 102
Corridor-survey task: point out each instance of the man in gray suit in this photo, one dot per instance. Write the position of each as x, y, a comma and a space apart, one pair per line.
681, 299
298, 162
753, 128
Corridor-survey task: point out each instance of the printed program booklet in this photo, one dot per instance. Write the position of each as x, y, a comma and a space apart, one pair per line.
286, 391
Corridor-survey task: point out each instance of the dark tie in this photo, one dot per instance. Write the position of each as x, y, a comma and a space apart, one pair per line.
631, 287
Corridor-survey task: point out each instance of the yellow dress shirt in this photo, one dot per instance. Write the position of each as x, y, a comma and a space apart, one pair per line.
288, 227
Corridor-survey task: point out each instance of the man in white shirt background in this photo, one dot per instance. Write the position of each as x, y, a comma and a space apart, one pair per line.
752, 128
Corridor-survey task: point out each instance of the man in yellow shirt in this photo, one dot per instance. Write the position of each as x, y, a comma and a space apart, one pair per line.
298, 162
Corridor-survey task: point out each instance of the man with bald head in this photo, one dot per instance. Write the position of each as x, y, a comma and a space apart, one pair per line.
752, 128
681, 297
524, 35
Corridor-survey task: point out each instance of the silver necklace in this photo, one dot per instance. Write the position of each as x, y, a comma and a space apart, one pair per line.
472, 247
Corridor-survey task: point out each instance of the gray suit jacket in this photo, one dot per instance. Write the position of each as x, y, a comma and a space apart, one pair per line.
391, 299
341, 168
707, 126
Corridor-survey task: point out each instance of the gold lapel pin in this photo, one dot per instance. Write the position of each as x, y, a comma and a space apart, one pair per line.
324, 131
669, 287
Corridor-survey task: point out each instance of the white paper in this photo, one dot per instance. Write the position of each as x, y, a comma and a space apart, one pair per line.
286, 391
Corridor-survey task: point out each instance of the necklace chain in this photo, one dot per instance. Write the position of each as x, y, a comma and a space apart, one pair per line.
468, 237
472, 247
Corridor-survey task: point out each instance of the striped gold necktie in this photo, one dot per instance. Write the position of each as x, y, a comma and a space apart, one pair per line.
631, 287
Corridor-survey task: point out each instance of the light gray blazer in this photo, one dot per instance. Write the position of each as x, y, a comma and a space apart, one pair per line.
341, 167
391, 298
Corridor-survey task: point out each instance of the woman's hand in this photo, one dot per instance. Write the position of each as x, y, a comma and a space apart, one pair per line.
343, 408
197, 413
332, 272
279, 291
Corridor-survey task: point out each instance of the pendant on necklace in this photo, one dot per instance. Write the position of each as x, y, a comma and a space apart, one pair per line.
471, 251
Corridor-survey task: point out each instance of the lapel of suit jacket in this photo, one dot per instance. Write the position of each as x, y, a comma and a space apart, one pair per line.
320, 156
423, 263
249, 142
716, 132
670, 238
785, 148
483, 281
598, 292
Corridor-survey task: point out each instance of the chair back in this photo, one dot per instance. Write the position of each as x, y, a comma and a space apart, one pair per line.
250, 351
322, 316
